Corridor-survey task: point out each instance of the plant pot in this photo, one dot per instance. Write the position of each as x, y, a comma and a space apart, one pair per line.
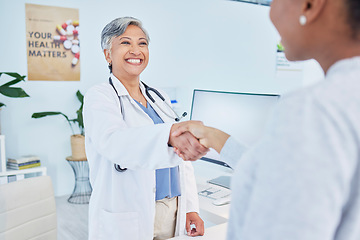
78, 147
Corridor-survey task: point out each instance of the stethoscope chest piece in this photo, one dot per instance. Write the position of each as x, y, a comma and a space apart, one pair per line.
118, 168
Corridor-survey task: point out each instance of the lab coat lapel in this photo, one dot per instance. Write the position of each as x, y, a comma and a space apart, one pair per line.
124, 94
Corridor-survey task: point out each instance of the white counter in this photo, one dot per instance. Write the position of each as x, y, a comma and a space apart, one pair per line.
215, 217
217, 232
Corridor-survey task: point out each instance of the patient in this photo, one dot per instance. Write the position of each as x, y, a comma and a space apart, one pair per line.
302, 179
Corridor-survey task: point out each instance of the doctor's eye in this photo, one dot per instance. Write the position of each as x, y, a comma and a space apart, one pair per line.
143, 43
125, 42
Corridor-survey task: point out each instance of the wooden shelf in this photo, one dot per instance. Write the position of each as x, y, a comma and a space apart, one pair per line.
9, 172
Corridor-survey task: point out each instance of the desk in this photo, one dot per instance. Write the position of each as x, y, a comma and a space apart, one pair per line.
217, 232
82, 190
215, 217
205, 171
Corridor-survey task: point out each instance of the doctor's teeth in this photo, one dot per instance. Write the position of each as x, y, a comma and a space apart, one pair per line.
134, 60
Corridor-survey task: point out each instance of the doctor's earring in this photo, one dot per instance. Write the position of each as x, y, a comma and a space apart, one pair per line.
110, 67
302, 20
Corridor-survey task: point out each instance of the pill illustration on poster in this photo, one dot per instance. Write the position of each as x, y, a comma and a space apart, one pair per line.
69, 37
75, 59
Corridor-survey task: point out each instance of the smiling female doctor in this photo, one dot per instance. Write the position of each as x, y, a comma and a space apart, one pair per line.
141, 188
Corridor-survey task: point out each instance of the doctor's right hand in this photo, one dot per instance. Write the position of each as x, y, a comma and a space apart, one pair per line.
187, 145
209, 137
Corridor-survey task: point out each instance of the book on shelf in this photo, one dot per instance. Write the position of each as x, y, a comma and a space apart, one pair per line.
24, 159
22, 164
11, 178
26, 166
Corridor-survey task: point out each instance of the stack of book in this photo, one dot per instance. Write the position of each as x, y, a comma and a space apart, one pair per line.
23, 162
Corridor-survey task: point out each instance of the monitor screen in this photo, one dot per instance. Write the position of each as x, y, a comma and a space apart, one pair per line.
242, 115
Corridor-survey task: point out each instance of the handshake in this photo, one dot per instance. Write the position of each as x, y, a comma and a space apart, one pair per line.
192, 139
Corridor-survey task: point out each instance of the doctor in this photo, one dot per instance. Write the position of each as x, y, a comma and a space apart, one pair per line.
141, 188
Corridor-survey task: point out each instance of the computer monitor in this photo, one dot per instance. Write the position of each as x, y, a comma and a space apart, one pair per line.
242, 115
260, 2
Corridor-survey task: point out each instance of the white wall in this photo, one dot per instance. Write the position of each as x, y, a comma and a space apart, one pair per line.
207, 44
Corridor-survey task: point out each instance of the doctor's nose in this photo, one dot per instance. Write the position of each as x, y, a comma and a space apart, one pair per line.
135, 50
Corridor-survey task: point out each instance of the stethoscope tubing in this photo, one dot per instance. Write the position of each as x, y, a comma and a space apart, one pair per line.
147, 92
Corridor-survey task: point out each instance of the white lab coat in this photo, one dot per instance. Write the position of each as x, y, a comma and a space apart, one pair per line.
122, 204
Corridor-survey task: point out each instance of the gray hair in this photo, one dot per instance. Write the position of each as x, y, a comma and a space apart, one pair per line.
116, 28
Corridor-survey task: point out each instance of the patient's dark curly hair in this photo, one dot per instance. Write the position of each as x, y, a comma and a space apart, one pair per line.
353, 8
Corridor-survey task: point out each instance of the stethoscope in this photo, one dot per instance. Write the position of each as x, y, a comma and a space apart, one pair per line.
147, 92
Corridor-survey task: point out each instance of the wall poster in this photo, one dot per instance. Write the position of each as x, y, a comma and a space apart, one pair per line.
53, 46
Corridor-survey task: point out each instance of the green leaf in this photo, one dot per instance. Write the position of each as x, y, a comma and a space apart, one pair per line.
45, 114
78, 120
2, 105
11, 83
8, 91
80, 97
13, 92
79, 112
15, 75
280, 47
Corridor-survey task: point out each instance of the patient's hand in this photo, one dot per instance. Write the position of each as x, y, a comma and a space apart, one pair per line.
208, 137
187, 146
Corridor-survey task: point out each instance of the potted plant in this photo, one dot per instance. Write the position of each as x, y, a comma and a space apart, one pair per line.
77, 140
9, 91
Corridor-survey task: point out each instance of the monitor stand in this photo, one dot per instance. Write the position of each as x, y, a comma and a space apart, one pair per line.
222, 181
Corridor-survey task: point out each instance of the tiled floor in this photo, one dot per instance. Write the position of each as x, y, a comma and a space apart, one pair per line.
72, 219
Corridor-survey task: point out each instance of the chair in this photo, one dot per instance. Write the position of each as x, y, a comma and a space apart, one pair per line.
28, 210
